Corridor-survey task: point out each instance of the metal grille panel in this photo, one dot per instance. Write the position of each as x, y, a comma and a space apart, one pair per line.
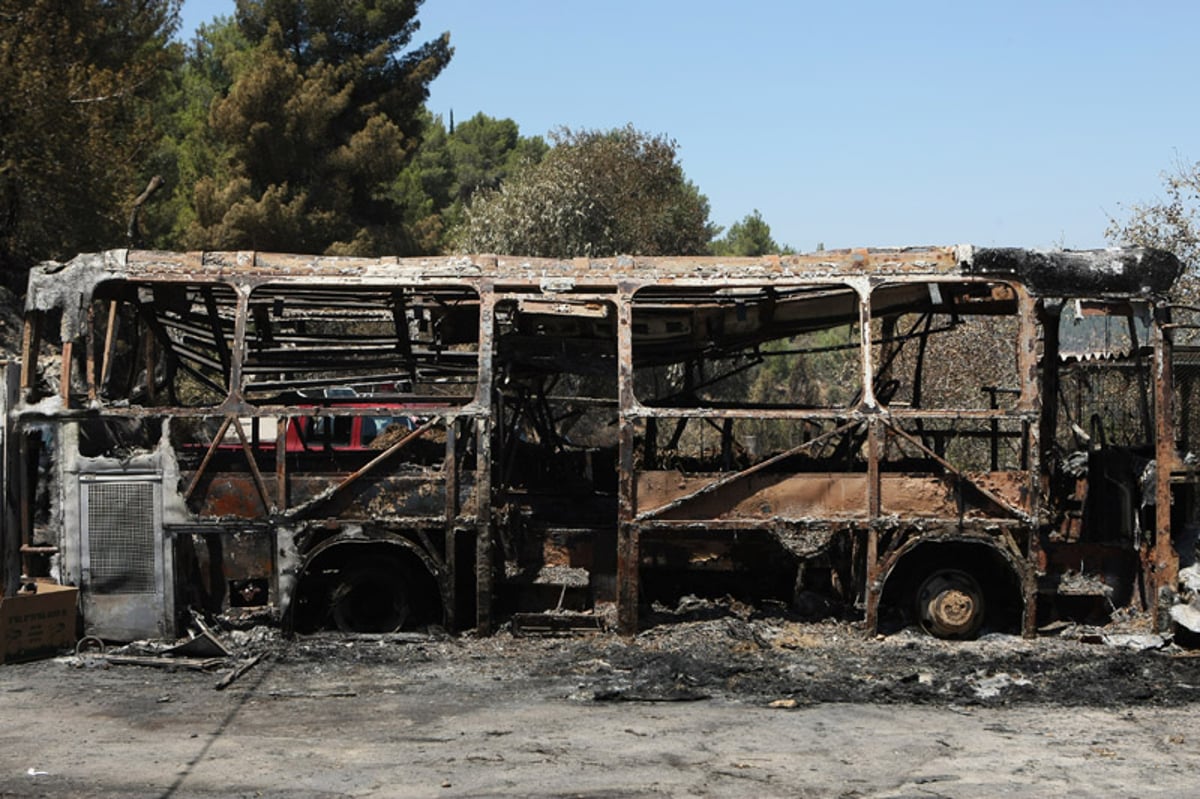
120, 519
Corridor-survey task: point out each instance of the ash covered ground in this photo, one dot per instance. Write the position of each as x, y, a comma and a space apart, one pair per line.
712, 699
729, 651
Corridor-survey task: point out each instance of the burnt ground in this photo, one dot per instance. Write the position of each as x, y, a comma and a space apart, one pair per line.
764, 660
726, 701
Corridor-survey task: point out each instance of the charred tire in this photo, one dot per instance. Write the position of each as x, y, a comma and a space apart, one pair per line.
370, 599
949, 604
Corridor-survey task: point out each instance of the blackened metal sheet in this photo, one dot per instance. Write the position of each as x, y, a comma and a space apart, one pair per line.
1068, 273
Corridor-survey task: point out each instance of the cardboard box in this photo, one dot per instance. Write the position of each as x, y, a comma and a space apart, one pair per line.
38, 624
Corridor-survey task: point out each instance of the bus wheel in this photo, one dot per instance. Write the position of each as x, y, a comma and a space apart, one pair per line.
370, 599
950, 604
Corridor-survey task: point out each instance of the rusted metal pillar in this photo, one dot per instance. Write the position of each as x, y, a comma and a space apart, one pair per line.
450, 481
1047, 402
64, 387
30, 344
281, 483
110, 344
149, 353
1164, 566
235, 399
484, 545
1038, 402
873, 585
628, 548
11, 530
90, 352
214, 320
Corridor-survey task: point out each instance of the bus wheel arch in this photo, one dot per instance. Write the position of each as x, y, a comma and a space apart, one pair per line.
369, 585
954, 588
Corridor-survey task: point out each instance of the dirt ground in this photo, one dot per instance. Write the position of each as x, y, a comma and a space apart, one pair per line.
725, 703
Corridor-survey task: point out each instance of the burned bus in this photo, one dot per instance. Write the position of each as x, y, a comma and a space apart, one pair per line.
959, 438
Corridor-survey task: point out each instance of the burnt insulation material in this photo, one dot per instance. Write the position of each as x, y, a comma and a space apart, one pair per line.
1081, 273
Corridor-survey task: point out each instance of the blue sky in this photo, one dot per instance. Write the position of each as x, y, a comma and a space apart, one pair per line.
853, 123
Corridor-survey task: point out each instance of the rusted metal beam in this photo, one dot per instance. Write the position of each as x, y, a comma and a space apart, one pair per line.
90, 353
485, 551
381, 457
483, 429
259, 483
218, 332
31, 337
281, 482
1164, 566
110, 344
208, 455
523, 270
403, 342
238, 352
733, 477
434, 556
960, 478
1037, 401
872, 585
1048, 428
24, 486
450, 529
628, 531
823, 414
64, 387
874, 454
772, 525
867, 565
465, 409
148, 353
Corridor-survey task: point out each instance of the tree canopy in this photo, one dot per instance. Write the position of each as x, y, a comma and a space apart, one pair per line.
1171, 223
751, 236
321, 115
301, 126
78, 82
595, 193
450, 166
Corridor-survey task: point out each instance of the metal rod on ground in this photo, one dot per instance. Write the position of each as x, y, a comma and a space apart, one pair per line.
228, 679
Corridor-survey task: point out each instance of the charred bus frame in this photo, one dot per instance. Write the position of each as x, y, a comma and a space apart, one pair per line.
900, 431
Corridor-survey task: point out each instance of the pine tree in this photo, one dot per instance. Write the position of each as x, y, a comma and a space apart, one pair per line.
77, 85
322, 114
